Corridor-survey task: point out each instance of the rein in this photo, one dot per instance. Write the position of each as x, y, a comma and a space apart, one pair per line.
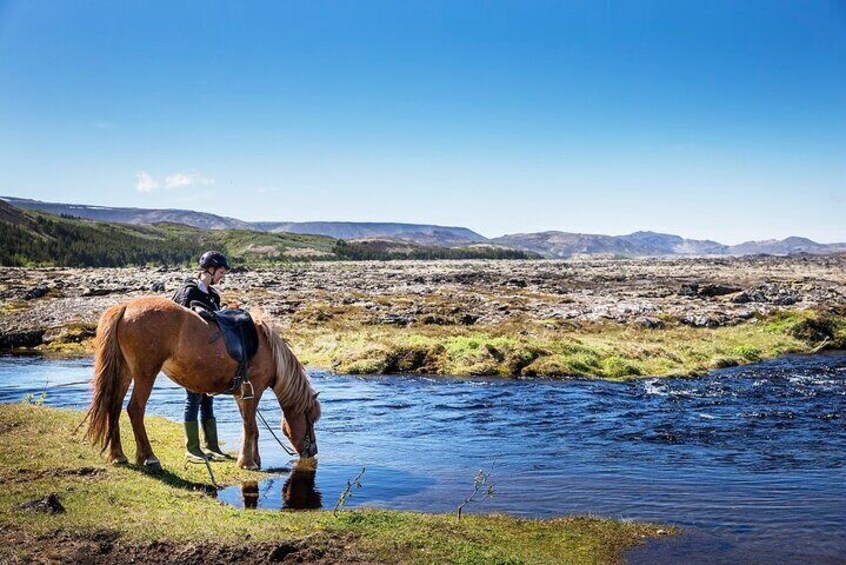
287, 449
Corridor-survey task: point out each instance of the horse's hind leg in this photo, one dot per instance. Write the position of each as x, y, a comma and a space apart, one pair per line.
136, 408
115, 448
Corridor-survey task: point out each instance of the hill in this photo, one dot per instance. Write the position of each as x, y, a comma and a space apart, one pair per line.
421, 234
38, 238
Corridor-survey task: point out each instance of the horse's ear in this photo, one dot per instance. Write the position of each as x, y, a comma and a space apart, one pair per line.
316, 394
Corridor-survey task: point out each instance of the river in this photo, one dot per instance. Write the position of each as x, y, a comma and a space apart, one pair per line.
750, 461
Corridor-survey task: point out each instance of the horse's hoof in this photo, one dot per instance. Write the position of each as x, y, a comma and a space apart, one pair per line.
153, 464
119, 460
250, 466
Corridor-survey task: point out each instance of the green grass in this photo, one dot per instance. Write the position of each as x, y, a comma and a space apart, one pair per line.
40, 453
533, 349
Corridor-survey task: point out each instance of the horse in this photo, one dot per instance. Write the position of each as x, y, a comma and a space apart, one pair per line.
144, 336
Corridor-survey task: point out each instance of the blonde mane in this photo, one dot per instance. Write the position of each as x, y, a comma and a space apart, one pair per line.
292, 386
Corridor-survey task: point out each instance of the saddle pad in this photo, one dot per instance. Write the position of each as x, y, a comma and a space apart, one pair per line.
239, 333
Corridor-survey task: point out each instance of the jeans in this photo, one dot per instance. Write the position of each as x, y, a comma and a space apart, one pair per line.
198, 402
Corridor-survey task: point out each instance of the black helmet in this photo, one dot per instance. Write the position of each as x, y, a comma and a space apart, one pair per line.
213, 260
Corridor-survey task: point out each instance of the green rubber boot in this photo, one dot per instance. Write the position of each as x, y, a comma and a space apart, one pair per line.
192, 443
212, 449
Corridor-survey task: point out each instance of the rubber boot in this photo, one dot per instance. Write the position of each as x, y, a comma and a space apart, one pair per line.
212, 449
192, 443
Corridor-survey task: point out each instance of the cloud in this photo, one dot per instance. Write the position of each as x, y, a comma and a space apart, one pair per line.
145, 183
177, 180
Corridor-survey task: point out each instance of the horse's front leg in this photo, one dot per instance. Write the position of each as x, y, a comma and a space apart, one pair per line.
249, 456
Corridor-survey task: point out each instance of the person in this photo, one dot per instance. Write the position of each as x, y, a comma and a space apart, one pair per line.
200, 295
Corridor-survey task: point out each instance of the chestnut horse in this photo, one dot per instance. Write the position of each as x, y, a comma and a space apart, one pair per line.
139, 338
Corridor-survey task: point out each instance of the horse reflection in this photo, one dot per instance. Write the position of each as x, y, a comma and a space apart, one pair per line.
299, 492
250, 494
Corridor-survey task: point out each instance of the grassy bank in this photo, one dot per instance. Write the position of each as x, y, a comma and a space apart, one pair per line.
550, 348
546, 348
129, 508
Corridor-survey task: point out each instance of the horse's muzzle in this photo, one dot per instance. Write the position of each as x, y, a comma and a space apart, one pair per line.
310, 451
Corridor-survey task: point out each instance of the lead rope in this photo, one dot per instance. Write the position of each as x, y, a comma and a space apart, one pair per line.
288, 450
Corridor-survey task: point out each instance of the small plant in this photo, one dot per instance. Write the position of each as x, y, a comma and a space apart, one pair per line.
33, 400
355, 482
483, 489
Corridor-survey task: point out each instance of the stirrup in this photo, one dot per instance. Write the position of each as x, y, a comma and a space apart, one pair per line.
247, 395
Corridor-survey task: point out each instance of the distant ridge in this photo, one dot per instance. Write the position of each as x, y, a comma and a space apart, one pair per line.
549, 244
135, 216
421, 234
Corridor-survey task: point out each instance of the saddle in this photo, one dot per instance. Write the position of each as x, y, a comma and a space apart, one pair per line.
241, 339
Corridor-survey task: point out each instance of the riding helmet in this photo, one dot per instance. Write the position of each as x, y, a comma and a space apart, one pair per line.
213, 260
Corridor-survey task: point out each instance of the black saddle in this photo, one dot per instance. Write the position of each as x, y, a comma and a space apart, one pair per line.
239, 333
241, 339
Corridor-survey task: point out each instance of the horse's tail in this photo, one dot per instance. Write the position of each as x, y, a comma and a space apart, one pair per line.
109, 365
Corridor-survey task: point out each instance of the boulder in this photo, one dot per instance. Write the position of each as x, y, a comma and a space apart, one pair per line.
25, 338
36, 292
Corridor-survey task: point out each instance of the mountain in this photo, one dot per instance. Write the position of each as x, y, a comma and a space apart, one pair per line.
562, 244
549, 244
137, 216
785, 247
33, 237
421, 234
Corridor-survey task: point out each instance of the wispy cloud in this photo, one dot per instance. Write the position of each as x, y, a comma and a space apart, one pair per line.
145, 183
187, 179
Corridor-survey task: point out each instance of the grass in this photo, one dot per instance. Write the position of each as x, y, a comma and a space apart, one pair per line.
532, 348
41, 454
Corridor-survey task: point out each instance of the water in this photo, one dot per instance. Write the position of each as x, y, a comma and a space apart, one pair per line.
751, 461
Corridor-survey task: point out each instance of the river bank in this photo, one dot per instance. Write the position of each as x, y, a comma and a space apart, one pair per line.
612, 319
119, 513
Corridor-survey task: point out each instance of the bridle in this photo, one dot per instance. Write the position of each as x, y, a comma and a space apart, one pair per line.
308, 440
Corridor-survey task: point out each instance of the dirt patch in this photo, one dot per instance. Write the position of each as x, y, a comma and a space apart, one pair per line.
49, 504
108, 547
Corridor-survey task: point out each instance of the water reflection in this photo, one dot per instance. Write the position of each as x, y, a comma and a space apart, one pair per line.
250, 494
299, 491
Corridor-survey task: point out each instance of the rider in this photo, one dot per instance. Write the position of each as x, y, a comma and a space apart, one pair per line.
200, 295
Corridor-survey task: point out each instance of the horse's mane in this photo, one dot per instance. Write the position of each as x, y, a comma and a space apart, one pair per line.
292, 386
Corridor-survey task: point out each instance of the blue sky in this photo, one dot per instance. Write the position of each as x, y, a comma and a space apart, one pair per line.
721, 120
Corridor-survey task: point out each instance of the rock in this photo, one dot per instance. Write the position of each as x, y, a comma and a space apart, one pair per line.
97, 291
749, 296
468, 319
157, 286
36, 292
787, 300
689, 290
26, 338
49, 504
711, 290
702, 321
651, 323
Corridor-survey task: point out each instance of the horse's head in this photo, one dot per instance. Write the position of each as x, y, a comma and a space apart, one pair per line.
299, 429
300, 407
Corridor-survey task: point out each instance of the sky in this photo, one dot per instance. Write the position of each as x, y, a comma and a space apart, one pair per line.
717, 119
